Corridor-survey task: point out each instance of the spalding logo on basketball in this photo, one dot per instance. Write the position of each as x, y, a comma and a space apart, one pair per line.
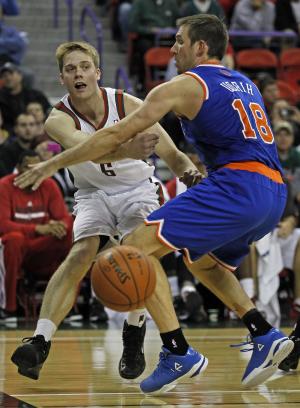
123, 278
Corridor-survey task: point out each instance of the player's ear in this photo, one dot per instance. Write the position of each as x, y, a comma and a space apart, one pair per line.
61, 79
98, 74
201, 47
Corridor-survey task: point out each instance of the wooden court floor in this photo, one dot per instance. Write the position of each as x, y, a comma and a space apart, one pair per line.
82, 371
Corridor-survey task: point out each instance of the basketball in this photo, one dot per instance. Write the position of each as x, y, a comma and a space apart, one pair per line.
123, 278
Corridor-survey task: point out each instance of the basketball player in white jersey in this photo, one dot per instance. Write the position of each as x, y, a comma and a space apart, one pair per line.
113, 197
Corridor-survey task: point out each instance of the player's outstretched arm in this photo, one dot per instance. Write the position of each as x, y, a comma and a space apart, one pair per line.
174, 95
61, 127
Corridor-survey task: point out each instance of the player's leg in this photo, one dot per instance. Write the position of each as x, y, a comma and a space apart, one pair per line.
57, 302
176, 354
131, 209
291, 257
229, 224
270, 346
292, 360
90, 223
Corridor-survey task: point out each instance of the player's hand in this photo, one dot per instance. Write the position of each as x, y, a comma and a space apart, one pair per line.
34, 177
142, 145
191, 178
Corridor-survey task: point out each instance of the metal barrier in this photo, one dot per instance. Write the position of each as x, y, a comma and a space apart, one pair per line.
69, 4
261, 34
87, 11
232, 33
122, 77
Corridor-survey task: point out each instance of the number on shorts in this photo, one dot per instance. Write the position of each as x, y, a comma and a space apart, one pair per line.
106, 169
261, 121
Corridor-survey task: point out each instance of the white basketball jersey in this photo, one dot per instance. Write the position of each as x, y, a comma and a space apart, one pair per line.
113, 177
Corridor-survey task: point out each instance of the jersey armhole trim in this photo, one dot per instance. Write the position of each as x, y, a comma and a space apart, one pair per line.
201, 82
62, 107
119, 98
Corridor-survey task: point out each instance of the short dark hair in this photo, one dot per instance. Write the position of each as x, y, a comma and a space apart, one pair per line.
26, 153
209, 28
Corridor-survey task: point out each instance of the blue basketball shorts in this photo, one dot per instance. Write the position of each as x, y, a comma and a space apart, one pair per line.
221, 216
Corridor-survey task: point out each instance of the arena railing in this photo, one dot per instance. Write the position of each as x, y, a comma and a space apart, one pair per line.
87, 11
261, 34
232, 33
121, 78
69, 4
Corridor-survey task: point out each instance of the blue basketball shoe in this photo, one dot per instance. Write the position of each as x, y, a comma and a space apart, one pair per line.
171, 369
268, 352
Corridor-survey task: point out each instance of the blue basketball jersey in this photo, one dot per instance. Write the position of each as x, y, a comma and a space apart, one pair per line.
232, 124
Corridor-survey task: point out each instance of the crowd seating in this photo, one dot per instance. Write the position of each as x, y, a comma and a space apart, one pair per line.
156, 62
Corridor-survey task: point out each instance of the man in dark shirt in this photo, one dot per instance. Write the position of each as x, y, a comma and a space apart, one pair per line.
25, 131
14, 97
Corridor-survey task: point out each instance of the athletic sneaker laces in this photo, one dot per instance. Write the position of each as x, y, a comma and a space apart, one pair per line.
249, 341
30, 356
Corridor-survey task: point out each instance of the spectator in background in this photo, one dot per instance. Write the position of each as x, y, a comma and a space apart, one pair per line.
191, 7
46, 150
252, 15
282, 110
25, 133
228, 7
12, 42
10, 7
36, 109
147, 18
14, 97
123, 12
34, 226
289, 155
4, 134
287, 15
269, 89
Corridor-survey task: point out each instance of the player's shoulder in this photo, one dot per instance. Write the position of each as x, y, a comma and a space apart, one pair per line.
55, 117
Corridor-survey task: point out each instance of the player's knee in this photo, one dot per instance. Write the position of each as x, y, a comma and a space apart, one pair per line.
145, 239
83, 253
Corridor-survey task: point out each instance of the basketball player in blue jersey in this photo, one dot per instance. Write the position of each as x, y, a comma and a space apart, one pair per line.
213, 223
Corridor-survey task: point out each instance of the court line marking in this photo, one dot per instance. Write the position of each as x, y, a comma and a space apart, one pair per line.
283, 391
85, 338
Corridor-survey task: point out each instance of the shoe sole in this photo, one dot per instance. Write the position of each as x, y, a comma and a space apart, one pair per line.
197, 369
271, 363
25, 370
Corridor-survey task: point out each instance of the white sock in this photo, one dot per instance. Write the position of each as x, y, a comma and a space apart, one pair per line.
45, 328
248, 285
137, 317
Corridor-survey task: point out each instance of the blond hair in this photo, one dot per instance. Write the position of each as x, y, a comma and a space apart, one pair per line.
67, 47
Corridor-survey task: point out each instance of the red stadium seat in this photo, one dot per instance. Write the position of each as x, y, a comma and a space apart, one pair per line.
286, 91
289, 68
255, 60
156, 61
